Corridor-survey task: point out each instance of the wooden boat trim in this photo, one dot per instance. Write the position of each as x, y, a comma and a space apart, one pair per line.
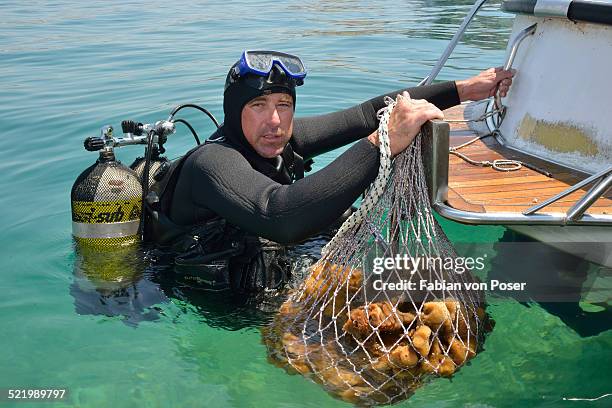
479, 195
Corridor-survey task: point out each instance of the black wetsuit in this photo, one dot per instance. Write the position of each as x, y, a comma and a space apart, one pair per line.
219, 179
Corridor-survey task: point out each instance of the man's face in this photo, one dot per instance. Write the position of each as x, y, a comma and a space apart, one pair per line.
267, 123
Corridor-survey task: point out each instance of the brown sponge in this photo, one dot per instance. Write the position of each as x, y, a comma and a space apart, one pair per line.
363, 320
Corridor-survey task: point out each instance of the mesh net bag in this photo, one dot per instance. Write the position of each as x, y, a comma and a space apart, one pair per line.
384, 309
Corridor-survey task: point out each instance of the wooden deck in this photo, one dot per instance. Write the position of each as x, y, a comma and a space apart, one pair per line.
483, 189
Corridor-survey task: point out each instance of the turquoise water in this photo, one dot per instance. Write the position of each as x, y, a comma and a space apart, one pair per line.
68, 68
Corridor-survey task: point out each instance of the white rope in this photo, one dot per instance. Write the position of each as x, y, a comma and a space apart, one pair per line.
377, 187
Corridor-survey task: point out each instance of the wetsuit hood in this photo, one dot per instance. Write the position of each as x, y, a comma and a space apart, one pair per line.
237, 94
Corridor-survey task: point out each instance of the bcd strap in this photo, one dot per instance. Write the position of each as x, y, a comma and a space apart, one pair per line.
293, 162
166, 177
159, 228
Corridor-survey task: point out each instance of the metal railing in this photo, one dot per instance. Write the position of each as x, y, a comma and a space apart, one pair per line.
453, 43
516, 42
603, 182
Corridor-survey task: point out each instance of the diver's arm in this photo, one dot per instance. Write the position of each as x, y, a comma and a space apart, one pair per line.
319, 134
230, 187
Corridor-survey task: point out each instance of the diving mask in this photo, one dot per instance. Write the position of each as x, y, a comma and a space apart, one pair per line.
261, 65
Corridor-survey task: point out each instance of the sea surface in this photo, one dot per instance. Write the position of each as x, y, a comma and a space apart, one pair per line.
116, 333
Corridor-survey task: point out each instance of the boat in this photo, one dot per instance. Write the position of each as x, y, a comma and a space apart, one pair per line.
538, 161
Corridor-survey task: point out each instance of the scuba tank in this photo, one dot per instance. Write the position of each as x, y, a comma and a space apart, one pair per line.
106, 199
139, 167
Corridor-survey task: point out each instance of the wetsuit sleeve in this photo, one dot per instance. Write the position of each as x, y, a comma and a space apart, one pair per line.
230, 187
316, 135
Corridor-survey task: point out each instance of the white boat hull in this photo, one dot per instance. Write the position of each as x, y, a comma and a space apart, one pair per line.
559, 105
591, 243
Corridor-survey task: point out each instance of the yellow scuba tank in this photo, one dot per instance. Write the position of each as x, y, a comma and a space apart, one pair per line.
106, 200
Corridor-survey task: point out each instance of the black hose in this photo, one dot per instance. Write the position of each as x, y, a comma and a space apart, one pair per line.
201, 109
184, 122
145, 182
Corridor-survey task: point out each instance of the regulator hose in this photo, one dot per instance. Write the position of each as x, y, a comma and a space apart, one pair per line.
145, 183
194, 106
184, 122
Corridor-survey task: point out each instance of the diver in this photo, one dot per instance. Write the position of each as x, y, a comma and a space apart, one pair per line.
243, 191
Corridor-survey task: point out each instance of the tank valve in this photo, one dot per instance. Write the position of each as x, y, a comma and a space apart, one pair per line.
93, 144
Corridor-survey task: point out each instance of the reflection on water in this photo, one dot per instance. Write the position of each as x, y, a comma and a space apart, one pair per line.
114, 283
133, 283
422, 19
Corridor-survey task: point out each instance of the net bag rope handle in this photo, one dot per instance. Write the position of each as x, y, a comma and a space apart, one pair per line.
376, 189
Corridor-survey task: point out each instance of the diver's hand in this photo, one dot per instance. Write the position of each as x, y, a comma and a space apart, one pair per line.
485, 84
406, 120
